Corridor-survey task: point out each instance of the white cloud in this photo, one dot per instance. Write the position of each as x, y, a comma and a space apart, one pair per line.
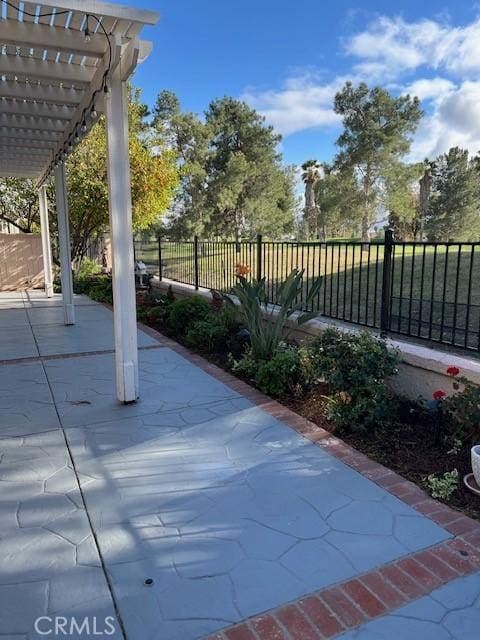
394, 46
401, 55
429, 88
300, 104
455, 121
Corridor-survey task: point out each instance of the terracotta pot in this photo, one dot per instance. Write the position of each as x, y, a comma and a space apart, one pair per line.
476, 463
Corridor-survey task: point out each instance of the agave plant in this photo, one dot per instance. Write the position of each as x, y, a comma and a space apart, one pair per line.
266, 323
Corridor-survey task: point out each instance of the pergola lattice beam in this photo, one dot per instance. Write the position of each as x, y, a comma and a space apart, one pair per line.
19, 66
36, 109
106, 9
42, 93
52, 38
31, 123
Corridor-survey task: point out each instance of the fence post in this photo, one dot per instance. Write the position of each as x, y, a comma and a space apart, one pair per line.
386, 283
160, 275
195, 260
259, 257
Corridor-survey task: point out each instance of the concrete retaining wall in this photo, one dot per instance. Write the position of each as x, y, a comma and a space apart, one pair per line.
422, 371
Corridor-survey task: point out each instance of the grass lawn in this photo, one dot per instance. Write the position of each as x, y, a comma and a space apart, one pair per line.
430, 285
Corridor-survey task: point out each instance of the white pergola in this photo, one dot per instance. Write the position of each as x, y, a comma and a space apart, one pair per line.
62, 62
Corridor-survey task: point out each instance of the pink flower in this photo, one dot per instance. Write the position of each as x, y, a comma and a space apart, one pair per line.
453, 371
439, 394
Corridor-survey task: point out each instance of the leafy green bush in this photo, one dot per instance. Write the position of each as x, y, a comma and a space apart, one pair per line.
182, 314
289, 371
279, 375
101, 290
266, 333
215, 333
246, 366
205, 335
461, 410
443, 486
87, 269
355, 367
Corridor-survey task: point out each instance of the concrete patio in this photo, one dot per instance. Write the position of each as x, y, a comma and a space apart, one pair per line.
225, 509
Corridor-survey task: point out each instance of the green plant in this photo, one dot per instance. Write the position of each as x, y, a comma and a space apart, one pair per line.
101, 290
205, 335
246, 366
267, 323
184, 313
87, 269
355, 367
443, 486
281, 374
461, 410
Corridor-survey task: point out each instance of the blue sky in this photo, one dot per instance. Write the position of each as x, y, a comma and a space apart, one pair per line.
287, 58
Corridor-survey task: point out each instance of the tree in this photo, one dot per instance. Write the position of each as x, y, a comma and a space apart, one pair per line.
454, 205
233, 183
153, 178
376, 131
153, 181
189, 137
19, 204
338, 199
425, 186
248, 190
402, 198
311, 174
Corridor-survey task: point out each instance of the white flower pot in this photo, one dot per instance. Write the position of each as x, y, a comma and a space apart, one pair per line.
476, 463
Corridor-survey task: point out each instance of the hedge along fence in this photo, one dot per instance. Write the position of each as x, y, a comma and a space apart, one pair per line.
429, 291
422, 371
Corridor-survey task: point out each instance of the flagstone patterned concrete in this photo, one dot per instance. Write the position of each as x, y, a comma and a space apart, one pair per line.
224, 508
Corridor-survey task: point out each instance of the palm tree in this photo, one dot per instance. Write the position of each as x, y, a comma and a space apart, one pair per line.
311, 175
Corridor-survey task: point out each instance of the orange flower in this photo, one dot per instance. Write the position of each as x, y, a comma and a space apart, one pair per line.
242, 270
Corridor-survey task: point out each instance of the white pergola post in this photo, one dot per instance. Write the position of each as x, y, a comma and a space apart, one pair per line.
46, 246
120, 206
64, 244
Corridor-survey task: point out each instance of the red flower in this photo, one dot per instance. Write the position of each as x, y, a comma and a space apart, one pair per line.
439, 394
453, 371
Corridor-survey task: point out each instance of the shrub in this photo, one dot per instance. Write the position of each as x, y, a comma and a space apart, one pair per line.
205, 335
267, 333
247, 366
87, 269
215, 333
443, 486
461, 410
101, 290
184, 313
278, 376
355, 367
289, 371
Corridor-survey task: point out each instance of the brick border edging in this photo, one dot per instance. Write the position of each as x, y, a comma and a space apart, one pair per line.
354, 602
344, 606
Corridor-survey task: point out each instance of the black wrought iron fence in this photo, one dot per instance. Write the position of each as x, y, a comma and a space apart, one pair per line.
426, 290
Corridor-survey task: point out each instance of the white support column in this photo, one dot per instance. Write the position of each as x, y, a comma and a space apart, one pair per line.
120, 204
46, 246
64, 244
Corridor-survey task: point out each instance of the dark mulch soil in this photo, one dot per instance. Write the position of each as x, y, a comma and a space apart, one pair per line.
412, 448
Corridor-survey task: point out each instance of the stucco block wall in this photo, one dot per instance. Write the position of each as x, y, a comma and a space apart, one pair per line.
422, 371
21, 262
